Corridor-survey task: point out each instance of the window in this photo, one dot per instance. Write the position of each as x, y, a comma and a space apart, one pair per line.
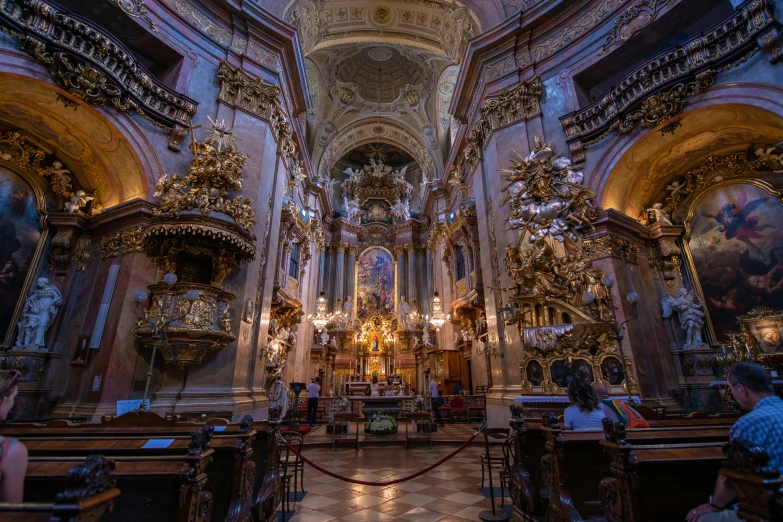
293, 267
459, 261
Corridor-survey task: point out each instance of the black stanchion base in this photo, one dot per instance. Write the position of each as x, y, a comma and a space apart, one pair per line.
498, 516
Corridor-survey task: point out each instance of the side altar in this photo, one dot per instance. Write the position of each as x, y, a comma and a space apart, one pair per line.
380, 412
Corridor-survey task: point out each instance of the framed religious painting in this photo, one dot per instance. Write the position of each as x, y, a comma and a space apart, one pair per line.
21, 245
82, 353
764, 327
734, 244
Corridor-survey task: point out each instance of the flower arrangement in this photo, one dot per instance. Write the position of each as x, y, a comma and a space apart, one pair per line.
419, 404
381, 424
343, 405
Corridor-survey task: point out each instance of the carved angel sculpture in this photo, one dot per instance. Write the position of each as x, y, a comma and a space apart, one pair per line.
690, 312
403, 309
351, 207
79, 200
401, 210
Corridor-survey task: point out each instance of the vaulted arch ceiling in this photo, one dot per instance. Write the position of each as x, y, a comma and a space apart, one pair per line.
381, 59
637, 179
372, 131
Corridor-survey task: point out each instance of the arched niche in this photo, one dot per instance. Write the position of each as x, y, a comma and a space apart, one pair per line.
371, 131
109, 157
633, 174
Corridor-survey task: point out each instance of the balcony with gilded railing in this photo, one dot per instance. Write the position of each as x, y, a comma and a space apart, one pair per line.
657, 89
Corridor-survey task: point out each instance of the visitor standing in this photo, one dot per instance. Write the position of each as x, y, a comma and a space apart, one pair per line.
13, 454
437, 401
312, 401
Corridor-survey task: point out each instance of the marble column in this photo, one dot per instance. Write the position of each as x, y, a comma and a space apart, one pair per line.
329, 269
399, 253
351, 252
339, 273
321, 267
411, 251
428, 274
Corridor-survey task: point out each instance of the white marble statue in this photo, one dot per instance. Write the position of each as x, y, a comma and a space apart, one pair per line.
659, 214
38, 314
691, 315
78, 200
351, 206
324, 337
347, 316
403, 311
401, 210
425, 338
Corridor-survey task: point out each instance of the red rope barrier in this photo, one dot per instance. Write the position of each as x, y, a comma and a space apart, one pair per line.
390, 482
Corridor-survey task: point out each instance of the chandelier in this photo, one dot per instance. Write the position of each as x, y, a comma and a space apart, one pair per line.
320, 319
437, 319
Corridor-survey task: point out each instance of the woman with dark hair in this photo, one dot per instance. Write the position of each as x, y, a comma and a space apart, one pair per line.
585, 412
13, 454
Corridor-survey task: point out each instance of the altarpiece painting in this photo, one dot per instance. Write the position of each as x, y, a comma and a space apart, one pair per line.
20, 234
736, 242
375, 288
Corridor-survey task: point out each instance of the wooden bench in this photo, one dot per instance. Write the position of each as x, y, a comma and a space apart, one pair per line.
157, 484
89, 494
575, 463
528, 490
657, 480
242, 484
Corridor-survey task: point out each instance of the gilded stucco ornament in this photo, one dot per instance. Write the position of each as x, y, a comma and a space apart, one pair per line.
196, 217
15, 150
659, 88
547, 196
91, 64
561, 304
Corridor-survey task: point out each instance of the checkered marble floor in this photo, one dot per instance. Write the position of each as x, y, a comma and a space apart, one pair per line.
448, 493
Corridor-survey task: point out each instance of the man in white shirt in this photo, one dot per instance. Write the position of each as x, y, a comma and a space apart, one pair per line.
437, 401
312, 401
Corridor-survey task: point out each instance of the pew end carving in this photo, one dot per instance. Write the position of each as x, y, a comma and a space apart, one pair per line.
758, 486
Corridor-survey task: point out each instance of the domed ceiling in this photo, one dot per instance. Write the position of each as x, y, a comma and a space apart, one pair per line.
377, 69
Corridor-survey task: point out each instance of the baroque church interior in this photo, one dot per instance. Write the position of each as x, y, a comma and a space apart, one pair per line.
441, 209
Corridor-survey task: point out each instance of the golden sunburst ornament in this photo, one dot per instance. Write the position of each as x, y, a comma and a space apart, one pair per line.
377, 151
221, 133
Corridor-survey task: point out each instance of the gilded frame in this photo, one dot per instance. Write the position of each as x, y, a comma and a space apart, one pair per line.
688, 255
35, 183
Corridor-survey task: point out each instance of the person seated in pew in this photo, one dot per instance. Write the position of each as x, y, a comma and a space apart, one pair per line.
751, 386
584, 412
618, 410
13, 454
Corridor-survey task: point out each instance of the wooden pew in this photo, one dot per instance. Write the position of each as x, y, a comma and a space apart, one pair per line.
241, 462
575, 463
758, 487
89, 494
657, 480
527, 484
157, 484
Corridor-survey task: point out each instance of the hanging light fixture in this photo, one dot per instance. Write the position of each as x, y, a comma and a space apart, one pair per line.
437, 319
320, 320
